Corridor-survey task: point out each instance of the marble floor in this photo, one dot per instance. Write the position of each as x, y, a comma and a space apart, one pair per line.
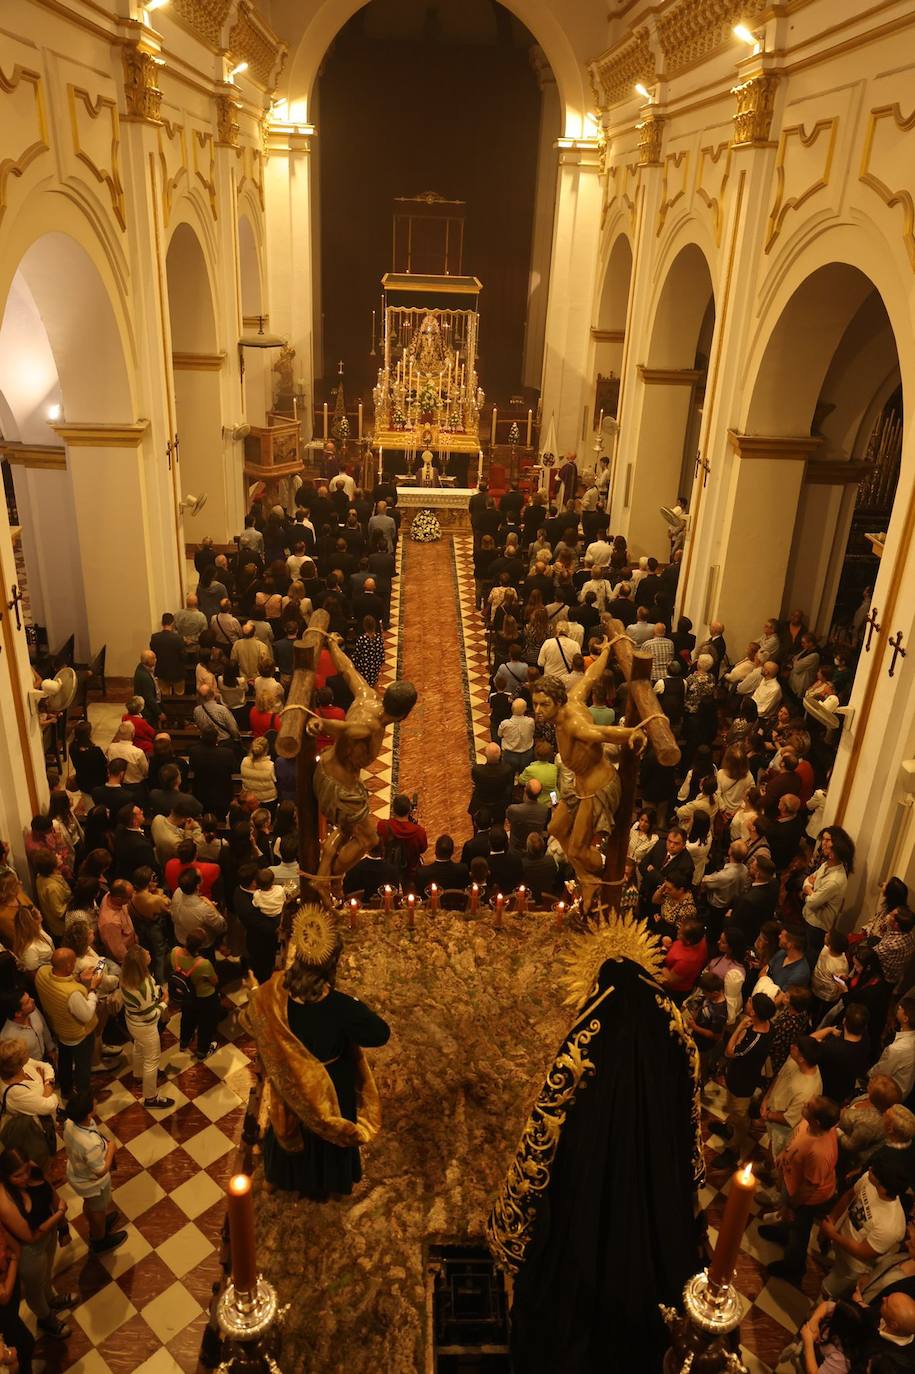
354, 1271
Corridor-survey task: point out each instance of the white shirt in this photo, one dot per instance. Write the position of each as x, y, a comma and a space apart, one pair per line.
898, 1061
768, 647
86, 1148
34, 1032
823, 906
767, 696
602, 591
829, 966
137, 764
550, 658
517, 733
749, 682
28, 1099
640, 632
871, 1218
343, 480
600, 552
731, 791
740, 671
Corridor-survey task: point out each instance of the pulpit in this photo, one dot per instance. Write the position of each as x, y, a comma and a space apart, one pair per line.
272, 456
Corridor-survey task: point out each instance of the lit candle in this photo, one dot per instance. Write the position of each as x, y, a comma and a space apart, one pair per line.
325, 422
360, 421
600, 422
521, 900
462, 376
733, 1225
480, 468
411, 910
560, 913
388, 898
433, 897
530, 421
241, 1234
373, 331
474, 899
492, 436
500, 908
353, 909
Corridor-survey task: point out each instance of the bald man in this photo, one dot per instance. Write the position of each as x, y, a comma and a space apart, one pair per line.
368, 602
526, 816
69, 1006
146, 685
492, 785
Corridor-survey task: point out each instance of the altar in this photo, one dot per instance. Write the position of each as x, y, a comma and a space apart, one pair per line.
450, 504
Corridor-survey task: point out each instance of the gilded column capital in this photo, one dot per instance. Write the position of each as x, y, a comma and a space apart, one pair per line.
142, 96
755, 108
651, 132
227, 126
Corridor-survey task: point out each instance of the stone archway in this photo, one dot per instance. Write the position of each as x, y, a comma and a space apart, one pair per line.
659, 441
196, 365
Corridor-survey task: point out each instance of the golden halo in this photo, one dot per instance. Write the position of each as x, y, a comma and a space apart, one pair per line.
314, 935
613, 937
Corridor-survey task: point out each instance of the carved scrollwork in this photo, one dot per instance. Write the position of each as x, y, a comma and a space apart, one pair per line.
755, 108
142, 96
614, 75
227, 127
651, 132
692, 31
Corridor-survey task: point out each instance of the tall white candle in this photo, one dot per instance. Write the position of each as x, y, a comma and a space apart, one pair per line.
360, 421
325, 422
480, 468
530, 420
600, 422
492, 436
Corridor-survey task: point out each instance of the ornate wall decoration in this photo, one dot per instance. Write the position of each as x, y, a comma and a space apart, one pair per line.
674, 185
692, 31
711, 181
614, 75
227, 121
621, 189
204, 150
96, 134
207, 20
252, 171
142, 96
755, 108
173, 162
23, 124
253, 41
803, 167
882, 162
651, 132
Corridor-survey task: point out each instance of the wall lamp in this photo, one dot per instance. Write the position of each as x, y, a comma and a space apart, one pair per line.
754, 38
237, 71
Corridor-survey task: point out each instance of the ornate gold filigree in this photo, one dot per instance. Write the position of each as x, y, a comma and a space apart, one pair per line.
252, 40
619, 937
510, 1224
142, 96
755, 108
691, 31
677, 1028
614, 75
227, 121
651, 132
314, 935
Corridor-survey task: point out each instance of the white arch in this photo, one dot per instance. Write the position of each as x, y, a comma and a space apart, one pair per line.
680, 306
537, 16
190, 292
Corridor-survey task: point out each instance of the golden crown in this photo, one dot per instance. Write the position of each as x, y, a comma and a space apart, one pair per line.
609, 936
314, 935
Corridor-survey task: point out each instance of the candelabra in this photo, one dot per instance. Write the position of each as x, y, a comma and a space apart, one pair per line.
251, 1327
704, 1338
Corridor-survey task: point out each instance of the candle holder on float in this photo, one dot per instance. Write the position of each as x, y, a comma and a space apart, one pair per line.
247, 1312
704, 1337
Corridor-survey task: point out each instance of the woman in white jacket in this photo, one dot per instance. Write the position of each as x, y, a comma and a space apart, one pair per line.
258, 775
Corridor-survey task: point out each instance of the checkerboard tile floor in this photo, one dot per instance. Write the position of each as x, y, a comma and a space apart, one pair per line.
143, 1307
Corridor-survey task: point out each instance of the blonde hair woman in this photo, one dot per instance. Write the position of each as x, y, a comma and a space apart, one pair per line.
734, 780
32, 945
144, 1003
258, 775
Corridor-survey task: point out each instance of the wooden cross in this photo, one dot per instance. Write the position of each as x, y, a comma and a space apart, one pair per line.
898, 651
872, 624
289, 744
13, 605
643, 707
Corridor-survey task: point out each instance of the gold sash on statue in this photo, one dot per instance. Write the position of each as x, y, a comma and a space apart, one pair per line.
301, 1092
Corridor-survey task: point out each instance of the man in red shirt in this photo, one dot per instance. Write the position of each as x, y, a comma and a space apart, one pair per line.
186, 857
807, 1169
400, 832
685, 960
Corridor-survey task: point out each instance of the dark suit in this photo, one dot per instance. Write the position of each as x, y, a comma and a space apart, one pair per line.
132, 850
476, 505
168, 647
492, 788
657, 867
368, 603
144, 685
114, 798
755, 906
511, 504
445, 873
370, 875
647, 589
506, 870
213, 767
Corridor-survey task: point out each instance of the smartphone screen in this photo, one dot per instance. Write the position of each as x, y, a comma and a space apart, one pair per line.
553, 798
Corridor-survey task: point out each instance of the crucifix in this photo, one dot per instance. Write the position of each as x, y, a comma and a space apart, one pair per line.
293, 742
898, 651
872, 624
13, 605
706, 467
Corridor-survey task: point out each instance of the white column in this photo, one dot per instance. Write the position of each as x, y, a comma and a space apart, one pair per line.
544, 210
289, 247
23, 787
576, 234
228, 478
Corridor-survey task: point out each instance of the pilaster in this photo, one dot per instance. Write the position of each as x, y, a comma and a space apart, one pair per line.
576, 234
544, 207
290, 247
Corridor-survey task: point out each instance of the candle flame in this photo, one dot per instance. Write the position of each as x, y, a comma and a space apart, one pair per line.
239, 1185
746, 1175
387, 887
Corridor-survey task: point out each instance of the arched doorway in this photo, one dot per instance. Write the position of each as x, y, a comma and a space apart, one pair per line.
659, 446
203, 466
609, 335
93, 536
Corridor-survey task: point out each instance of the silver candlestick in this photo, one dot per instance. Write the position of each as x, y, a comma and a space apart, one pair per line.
251, 1328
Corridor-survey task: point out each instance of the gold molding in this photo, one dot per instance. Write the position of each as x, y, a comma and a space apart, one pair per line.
142, 96
715, 203
45, 456
890, 198
16, 166
198, 362
672, 160
780, 206
101, 436
169, 184
253, 40
203, 138
836, 473
614, 73
651, 135
692, 31
670, 376
622, 175
227, 126
785, 447
755, 110
111, 178
608, 335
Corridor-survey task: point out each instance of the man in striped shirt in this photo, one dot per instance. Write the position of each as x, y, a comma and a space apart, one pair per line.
661, 649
